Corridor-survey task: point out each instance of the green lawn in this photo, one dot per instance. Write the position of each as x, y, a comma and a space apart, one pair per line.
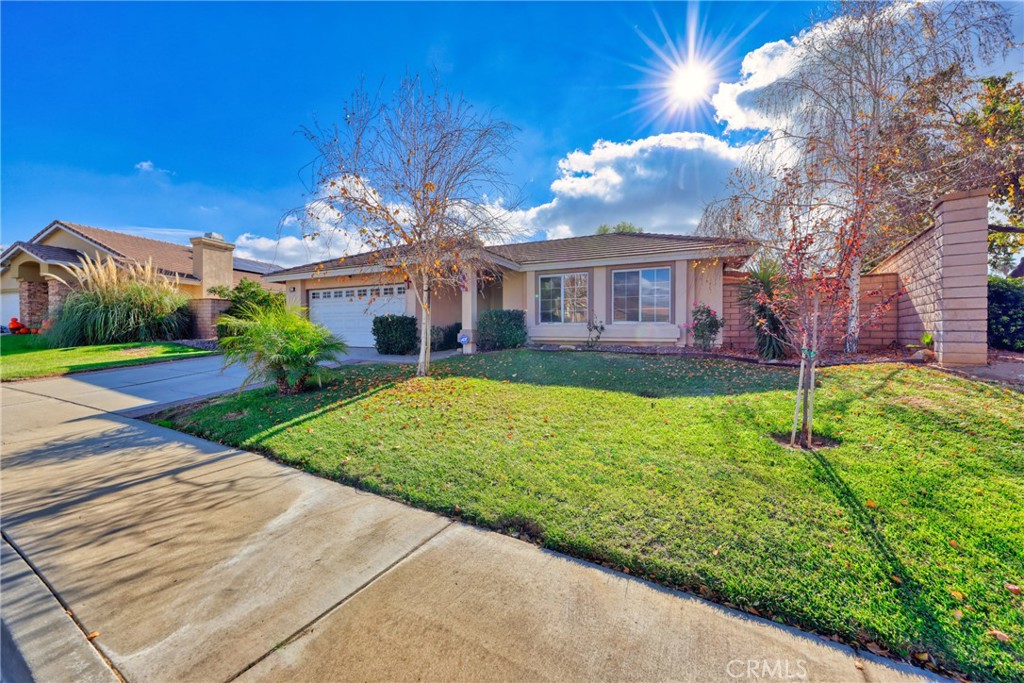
901, 537
23, 356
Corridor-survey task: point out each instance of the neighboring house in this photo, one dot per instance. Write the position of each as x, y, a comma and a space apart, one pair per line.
31, 296
641, 286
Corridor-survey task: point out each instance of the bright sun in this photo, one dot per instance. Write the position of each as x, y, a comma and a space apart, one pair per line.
689, 83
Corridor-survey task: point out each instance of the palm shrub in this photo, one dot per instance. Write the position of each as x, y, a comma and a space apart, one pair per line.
111, 303
279, 345
756, 294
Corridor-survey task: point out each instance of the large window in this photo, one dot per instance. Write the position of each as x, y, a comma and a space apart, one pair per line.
642, 295
563, 298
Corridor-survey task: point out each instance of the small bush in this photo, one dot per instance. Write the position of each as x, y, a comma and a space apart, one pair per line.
117, 304
280, 345
501, 329
705, 326
445, 337
395, 335
247, 295
1006, 313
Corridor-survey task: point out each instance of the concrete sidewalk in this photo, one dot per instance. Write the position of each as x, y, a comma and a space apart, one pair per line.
197, 562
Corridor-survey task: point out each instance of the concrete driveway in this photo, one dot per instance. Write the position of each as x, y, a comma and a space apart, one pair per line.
136, 390
189, 561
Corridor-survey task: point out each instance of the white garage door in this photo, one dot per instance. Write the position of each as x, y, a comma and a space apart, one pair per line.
349, 312
9, 307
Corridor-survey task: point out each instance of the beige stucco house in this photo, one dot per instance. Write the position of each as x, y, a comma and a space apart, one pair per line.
30, 294
640, 286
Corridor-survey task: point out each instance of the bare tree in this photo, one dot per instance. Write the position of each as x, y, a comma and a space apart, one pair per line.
419, 180
851, 112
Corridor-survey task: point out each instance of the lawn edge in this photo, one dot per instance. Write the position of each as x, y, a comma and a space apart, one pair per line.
117, 366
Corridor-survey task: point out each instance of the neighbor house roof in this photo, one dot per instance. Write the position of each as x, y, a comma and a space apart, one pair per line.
168, 257
46, 252
589, 248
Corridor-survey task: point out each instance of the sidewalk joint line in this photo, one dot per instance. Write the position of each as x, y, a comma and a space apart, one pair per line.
330, 610
63, 603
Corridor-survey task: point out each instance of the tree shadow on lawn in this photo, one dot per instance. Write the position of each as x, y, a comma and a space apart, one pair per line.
911, 594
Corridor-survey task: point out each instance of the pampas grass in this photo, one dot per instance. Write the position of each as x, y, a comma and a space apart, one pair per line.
112, 303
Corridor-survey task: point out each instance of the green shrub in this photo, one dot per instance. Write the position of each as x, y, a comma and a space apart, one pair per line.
280, 345
395, 335
445, 337
705, 326
247, 295
1006, 313
756, 294
501, 329
116, 304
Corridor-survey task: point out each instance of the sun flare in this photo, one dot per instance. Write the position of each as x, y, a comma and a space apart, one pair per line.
689, 83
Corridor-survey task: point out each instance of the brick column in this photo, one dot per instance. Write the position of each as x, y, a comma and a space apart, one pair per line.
204, 316
33, 302
57, 292
961, 330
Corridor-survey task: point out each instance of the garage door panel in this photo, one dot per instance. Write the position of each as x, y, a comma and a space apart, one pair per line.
349, 312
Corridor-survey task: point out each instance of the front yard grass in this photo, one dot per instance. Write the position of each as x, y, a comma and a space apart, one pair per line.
24, 356
907, 536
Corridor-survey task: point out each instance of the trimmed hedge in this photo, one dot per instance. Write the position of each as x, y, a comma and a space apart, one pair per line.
501, 329
395, 335
1006, 313
445, 337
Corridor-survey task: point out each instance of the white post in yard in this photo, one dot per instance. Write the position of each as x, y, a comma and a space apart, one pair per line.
470, 308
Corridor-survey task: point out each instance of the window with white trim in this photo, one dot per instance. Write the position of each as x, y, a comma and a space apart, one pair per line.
564, 298
643, 295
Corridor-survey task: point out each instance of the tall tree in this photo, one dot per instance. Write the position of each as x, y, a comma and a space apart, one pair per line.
858, 80
419, 180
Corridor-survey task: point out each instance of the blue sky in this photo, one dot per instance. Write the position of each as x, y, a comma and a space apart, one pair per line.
172, 119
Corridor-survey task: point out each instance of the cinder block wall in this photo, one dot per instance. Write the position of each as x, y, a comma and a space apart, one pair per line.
944, 273
917, 266
875, 288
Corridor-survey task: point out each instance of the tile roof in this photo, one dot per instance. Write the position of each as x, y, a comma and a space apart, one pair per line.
168, 257
611, 245
567, 250
48, 253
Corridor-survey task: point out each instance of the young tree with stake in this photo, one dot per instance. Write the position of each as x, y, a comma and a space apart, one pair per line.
417, 179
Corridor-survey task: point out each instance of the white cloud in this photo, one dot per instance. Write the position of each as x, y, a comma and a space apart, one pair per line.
287, 250
660, 183
558, 232
734, 103
145, 166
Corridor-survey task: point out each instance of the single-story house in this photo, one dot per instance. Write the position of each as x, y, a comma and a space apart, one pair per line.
641, 286
28, 294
